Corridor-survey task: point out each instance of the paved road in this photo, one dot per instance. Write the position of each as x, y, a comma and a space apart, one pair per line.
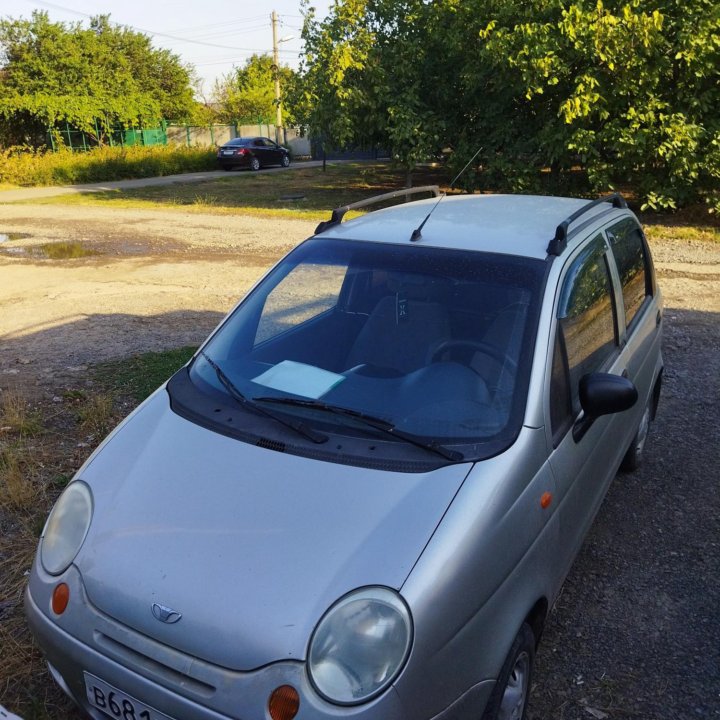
7, 196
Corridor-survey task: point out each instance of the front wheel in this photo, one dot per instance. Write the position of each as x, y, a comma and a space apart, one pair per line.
285, 162
509, 699
634, 455
254, 164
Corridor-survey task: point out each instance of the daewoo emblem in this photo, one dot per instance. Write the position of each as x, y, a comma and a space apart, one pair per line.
165, 614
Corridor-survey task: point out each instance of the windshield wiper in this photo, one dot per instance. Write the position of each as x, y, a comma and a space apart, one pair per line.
236, 395
370, 420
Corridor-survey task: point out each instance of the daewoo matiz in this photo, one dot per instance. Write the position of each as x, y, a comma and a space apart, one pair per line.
362, 495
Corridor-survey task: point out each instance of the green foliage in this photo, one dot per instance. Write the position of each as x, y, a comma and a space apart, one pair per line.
344, 84
626, 91
92, 78
140, 375
248, 93
203, 115
26, 166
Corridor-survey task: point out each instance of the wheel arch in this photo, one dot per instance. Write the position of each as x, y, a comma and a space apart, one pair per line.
656, 394
536, 618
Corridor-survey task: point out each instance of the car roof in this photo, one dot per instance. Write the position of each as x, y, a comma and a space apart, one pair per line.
509, 224
244, 140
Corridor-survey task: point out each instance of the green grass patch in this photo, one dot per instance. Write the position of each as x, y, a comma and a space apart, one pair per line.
138, 376
26, 167
307, 193
310, 193
681, 233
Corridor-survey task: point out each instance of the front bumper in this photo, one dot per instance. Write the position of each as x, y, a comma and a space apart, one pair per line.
178, 685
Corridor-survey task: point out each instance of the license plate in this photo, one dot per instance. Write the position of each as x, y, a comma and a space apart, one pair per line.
117, 704
227, 152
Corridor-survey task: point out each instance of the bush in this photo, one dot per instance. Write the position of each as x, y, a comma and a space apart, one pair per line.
22, 165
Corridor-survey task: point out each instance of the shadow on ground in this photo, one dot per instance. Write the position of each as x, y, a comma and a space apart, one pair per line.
62, 352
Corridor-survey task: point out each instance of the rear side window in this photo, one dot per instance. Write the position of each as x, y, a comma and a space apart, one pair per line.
628, 249
587, 335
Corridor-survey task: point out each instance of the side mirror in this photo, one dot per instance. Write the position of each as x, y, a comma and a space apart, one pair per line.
603, 394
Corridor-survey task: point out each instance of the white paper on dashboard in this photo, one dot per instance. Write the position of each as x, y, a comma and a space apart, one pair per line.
299, 379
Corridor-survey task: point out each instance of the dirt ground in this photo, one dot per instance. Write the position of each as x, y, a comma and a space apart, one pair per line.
636, 630
159, 279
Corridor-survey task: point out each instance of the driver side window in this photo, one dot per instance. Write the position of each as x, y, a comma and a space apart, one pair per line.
586, 336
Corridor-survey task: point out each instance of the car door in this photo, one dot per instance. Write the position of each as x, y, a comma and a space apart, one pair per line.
640, 309
587, 339
273, 151
260, 151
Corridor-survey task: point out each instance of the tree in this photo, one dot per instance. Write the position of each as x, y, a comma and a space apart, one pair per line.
629, 88
248, 93
360, 81
627, 91
92, 78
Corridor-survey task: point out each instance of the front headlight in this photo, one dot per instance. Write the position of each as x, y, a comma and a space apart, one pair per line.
66, 528
360, 645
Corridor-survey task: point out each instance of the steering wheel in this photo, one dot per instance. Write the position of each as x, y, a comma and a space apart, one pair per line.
492, 351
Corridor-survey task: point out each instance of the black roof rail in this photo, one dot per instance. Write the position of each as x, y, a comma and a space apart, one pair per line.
339, 213
559, 242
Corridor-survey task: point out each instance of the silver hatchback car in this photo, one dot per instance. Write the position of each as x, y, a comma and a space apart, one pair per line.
362, 495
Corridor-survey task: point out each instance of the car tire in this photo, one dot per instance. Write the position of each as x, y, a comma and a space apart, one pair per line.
634, 455
285, 162
509, 699
254, 164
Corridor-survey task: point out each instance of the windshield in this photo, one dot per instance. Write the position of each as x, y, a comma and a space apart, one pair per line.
435, 343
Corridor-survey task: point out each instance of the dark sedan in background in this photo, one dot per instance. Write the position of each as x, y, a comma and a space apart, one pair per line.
252, 152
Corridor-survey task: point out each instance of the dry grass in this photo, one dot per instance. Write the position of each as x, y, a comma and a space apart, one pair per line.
17, 415
36, 461
95, 415
25, 687
17, 489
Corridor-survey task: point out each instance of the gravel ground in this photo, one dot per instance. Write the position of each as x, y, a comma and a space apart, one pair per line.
636, 630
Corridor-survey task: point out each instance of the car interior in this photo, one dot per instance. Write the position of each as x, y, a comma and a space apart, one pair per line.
427, 349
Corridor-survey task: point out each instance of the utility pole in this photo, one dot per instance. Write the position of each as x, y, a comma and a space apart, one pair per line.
276, 70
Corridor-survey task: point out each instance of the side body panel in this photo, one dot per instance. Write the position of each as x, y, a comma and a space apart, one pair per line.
469, 591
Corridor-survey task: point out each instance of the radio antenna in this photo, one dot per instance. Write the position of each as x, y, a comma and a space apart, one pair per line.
417, 232
452, 184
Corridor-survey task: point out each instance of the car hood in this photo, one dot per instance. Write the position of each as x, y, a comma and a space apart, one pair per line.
251, 546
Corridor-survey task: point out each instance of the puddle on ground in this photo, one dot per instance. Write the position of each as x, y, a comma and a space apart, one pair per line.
5, 237
66, 251
49, 251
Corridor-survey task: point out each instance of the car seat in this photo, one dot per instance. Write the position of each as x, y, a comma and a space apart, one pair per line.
400, 335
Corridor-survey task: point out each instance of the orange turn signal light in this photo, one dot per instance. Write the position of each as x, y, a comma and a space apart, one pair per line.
545, 500
60, 598
284, 703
